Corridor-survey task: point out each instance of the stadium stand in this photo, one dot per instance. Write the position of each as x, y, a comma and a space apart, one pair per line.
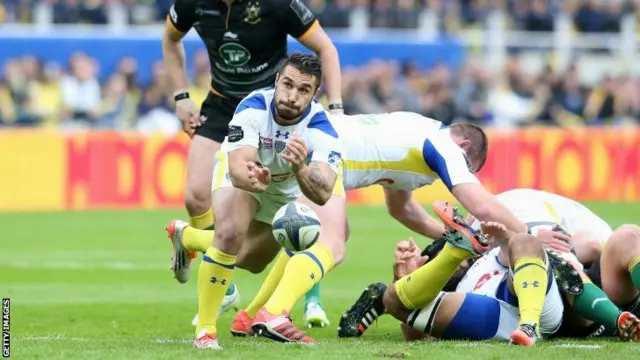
529, 86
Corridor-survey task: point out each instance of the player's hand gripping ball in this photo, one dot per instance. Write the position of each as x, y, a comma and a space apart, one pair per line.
296, 226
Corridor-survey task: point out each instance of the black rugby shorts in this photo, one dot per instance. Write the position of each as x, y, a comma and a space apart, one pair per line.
215, 114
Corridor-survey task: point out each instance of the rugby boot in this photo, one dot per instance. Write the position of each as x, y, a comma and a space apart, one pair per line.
525, 335
367, 309
314, 316
278, 327
241, 325
205, 340
628, 327
459, 233
230, 301
180, 258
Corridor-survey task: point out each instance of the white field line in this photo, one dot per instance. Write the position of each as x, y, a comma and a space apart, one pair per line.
79, 265
183, 341
79, 339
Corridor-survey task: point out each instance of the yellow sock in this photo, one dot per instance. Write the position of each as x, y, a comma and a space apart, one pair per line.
197, 240
419, 288
303, 270
270, 283
203, 221
530, 280
214, 277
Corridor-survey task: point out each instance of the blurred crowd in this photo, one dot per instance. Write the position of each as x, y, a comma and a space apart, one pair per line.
48, 95
532, 15
71, 96
517, 99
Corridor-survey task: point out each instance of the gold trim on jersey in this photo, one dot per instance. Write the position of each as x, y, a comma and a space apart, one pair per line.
413, 162
220, 170
338, 188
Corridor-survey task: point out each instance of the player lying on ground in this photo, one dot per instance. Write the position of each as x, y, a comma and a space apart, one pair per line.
380, 150
519, 307
540, 210
253, 179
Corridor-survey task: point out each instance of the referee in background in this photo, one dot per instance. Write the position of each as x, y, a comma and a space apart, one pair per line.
247, 43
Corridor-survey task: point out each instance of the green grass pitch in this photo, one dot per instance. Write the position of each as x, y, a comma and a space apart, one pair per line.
96, 285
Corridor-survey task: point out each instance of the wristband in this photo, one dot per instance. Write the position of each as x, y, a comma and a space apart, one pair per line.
336, 106
181, 96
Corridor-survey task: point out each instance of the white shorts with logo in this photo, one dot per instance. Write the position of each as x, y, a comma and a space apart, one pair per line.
269, 203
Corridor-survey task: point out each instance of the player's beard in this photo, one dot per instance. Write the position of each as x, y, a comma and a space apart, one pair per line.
287, 113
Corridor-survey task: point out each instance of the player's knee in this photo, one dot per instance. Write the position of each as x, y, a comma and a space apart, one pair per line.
228, 236
524, 245
197, 199
626, 236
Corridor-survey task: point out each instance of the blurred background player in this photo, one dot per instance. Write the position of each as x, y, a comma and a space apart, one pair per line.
246, 48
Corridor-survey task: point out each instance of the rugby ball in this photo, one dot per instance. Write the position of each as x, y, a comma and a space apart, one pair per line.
296, 226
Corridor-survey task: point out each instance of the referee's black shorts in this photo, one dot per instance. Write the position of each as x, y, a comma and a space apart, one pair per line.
215, 114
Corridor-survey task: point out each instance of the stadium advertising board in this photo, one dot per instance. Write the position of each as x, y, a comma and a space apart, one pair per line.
52, 171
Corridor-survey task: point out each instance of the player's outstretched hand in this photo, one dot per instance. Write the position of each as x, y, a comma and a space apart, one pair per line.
495, 231
407, 258
259, 177
554, 240
187, 113
296, 152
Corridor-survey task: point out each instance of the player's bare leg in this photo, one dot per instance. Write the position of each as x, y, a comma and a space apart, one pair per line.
620, 277
234, 210
200, 162
619, 262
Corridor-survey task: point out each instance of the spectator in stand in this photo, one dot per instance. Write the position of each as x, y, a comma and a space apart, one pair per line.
81, 93
79, 11
332, 14
539, 17
156, 106
46, 89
